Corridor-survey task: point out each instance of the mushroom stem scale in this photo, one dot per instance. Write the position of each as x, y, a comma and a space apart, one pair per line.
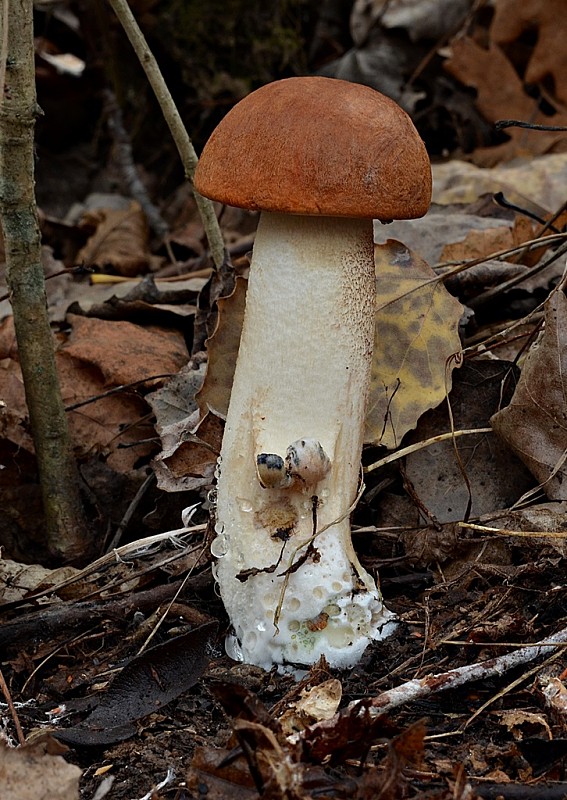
290, 463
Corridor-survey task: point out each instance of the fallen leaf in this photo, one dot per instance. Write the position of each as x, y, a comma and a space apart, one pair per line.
417, 332
18, 580
124, 352
221, 775
495, 478
99, 426
534, 425
539, 180
428, 235
223, 347
145, 685
546, 21
176, 401
190, 450
30, 773
518, 722
317, 703
501, 95
115, 425
481, 244
120, 240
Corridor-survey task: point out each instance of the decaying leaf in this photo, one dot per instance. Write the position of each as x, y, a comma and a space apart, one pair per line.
485, 474
534, 425
37, 771
548, 21
120, 240
124, 352
519, 721
190, 452
416, 335
145, 685
501, 95
317, 703
18, 580
223, 347
539, 181
481, 244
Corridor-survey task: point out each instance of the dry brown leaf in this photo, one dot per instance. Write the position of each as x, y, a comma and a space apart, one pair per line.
197, 454
190, 450
548, 21
534, 425
101, 426
501, 95
120, 240
223, 350
481, 244
417, 332
522, 724
18, 580
125, 352
115, 425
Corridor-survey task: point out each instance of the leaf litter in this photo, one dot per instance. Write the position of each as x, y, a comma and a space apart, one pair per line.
456, 704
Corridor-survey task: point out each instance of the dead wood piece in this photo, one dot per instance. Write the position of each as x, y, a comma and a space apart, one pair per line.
51, 620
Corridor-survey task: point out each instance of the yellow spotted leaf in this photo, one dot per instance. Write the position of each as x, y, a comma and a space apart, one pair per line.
416, 340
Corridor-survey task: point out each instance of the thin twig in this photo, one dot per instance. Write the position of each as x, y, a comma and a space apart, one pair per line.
3, 49
433, 684
504, 532
125, 162
412, 448
13, 712
125, 521
174, 122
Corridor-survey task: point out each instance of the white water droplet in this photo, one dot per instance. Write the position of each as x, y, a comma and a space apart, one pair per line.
233, 648
244, 504
219, 546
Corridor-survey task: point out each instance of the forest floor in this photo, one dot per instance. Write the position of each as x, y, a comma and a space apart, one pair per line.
115, 669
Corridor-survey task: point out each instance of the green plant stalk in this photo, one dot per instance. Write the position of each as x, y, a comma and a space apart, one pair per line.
178, 131
66, 533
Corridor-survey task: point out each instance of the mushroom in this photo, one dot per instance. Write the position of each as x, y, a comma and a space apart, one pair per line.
320, 158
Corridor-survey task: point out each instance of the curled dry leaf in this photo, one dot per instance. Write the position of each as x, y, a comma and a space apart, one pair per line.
534, 425
317, 703
416, 335
120, 240
190, 452
223, 345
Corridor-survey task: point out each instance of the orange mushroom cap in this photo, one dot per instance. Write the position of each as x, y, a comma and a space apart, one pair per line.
317, 146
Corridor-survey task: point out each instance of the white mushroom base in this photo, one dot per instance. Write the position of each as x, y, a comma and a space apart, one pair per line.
286, 568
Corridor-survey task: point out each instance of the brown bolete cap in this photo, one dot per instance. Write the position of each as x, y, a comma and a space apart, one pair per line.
317, 146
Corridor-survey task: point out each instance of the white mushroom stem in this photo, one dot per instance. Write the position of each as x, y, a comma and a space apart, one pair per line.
290, 461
